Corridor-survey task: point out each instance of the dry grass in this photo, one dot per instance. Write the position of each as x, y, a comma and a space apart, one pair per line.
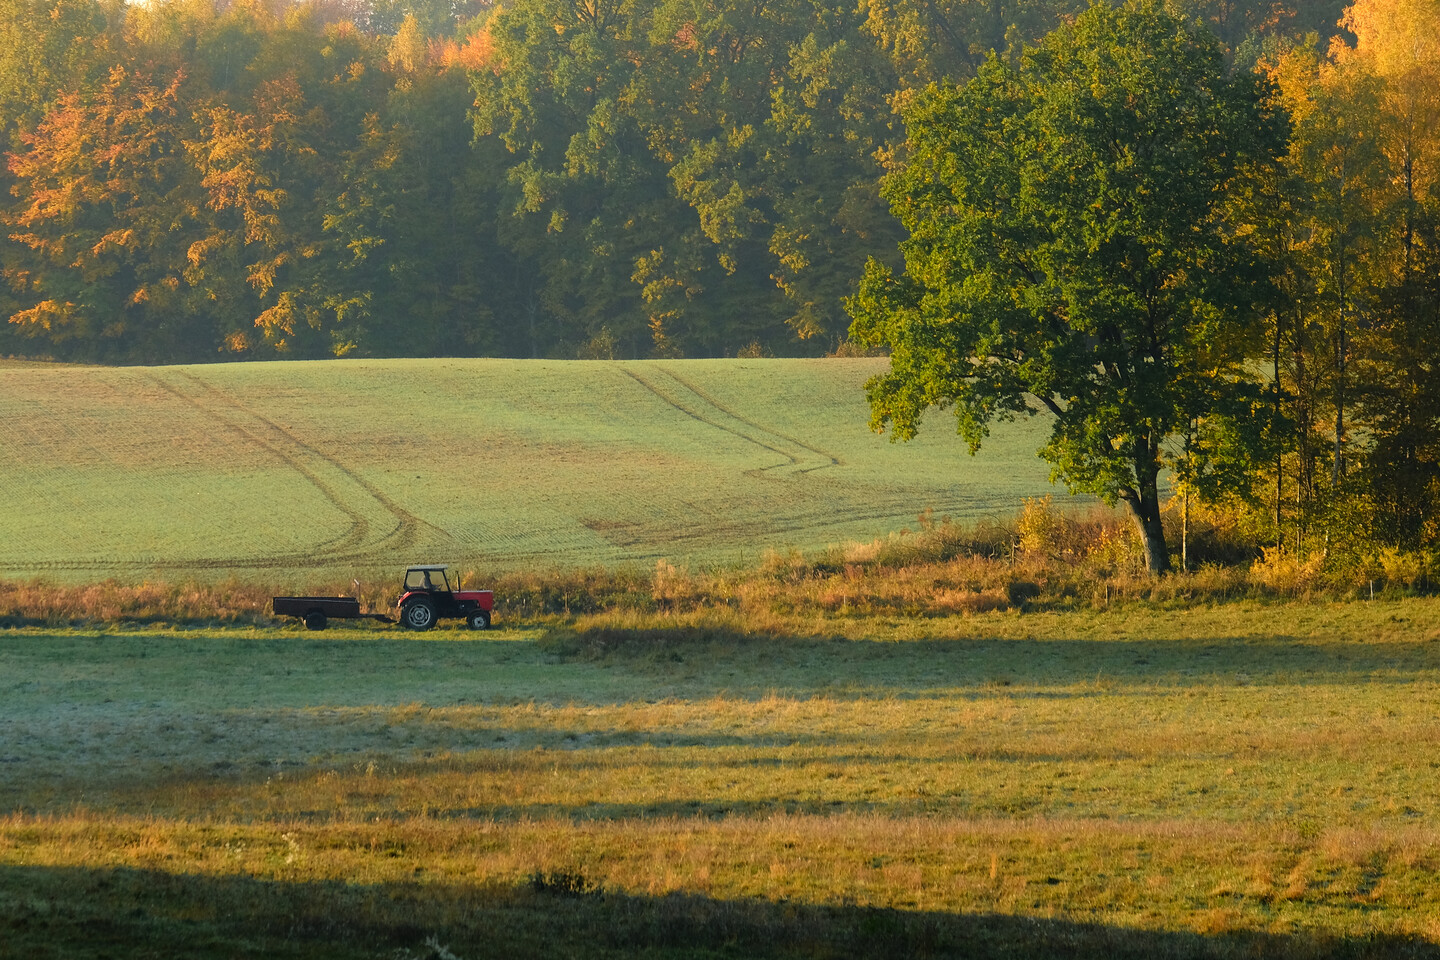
1248, 779
784, 886
37, 602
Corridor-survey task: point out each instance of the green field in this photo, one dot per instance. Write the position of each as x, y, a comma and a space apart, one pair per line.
271, 471
1245, 780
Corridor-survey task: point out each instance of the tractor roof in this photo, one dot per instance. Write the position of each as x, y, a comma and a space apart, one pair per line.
430, 566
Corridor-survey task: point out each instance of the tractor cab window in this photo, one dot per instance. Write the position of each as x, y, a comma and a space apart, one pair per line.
426, 580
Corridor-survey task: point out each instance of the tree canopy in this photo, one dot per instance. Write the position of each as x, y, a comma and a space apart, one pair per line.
608, 178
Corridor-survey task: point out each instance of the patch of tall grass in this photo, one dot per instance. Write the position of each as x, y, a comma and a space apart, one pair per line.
41, 602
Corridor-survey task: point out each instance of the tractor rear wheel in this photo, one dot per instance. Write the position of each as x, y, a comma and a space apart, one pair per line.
418, 614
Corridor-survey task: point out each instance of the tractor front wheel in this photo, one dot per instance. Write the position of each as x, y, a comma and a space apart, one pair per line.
479, 619
418, 615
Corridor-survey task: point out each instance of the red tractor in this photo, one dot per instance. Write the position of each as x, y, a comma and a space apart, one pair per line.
428, 597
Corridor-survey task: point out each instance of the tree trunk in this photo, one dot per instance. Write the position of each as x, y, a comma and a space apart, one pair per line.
1338, 466
1143, 502
1146, 514
1341, 349
1409, 171
1305, 452
1279, 455
1185, 533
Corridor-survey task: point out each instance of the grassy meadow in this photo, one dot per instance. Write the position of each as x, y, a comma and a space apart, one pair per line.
328, 470
1242, 779
687, 737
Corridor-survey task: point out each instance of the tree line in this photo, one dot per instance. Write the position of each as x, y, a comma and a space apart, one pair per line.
211, 179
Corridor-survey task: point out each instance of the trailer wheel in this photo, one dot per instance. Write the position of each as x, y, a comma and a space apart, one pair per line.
479, 619
315, 620
418, 614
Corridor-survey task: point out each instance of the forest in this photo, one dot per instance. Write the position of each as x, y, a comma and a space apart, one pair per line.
200, 180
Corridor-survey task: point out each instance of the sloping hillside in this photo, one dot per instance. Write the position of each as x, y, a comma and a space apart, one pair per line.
272, 470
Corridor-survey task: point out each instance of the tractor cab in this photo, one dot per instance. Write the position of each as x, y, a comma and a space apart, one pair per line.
428, 579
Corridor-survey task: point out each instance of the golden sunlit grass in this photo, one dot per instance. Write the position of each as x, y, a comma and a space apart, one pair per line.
1232, 886
1234, 780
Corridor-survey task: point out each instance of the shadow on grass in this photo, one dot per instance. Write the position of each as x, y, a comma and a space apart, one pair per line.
249, 673
78, 912
992, 664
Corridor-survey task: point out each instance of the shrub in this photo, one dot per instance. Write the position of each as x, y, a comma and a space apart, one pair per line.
1284, 573
1403, 568
1041, 530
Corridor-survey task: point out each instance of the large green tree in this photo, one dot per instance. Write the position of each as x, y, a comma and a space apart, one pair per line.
1072, 247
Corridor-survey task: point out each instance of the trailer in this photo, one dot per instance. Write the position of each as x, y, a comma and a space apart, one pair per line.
316, 612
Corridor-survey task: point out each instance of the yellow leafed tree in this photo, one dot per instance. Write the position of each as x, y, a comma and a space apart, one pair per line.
408, 50
1398, 41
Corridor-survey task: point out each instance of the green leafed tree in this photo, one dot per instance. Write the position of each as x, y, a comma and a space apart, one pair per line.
1072, 248
690, 175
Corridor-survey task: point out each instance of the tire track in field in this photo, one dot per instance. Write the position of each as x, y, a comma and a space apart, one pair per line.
829, 516
407, 529
404, 520
359, 529
697, 406
359, 542
830, 458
